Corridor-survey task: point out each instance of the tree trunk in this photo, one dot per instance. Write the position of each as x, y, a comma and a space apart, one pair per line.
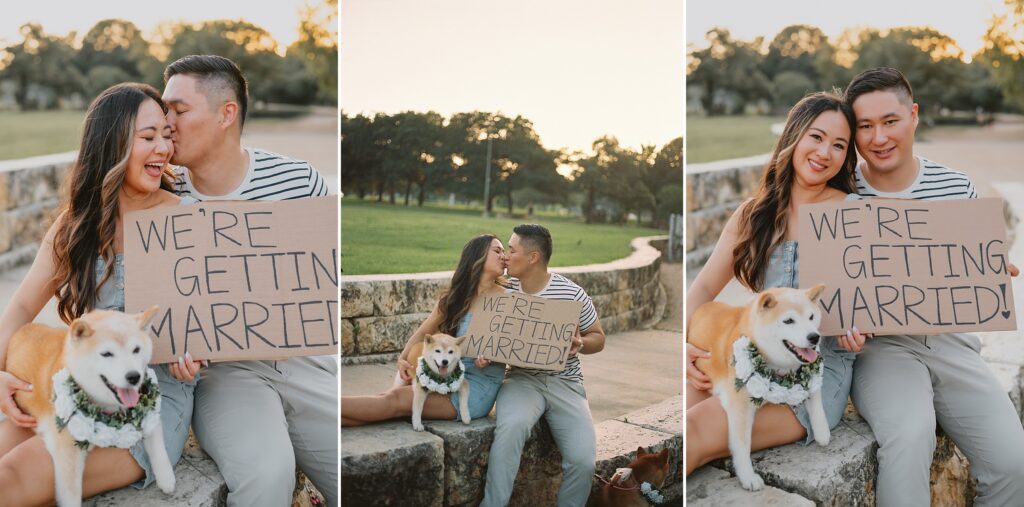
422, 194
408, 190
588, 205
508, 194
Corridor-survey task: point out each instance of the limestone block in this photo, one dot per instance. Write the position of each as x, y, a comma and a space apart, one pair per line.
30, 186
842, 473
390, 464
711, 487
466, 449
602, 304
5, 198
595, 282
395, 297
385, 334
950, 477
666, 416
348, 337
5, 231
356, 300
1002, 347
28, 225
691, 201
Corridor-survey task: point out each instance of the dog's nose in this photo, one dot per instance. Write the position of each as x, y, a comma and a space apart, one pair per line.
813, 338
132, 377
444, 362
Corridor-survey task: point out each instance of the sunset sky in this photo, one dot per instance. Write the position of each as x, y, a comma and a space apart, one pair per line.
965, 21
579, 69
58, 17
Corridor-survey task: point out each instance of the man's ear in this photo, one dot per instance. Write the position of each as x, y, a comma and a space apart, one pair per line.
229, 112
913, 114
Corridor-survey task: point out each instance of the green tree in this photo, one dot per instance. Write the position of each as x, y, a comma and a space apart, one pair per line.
114, 51
41, 62
317, 48
1004, 52
728, 65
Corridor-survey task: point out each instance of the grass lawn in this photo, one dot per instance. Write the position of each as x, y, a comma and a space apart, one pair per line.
725, 137
39, 133
383, 239
29, 134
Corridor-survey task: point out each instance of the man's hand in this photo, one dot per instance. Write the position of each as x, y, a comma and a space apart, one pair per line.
482, 362
697, 378
577, 343
8, 385
1012, 269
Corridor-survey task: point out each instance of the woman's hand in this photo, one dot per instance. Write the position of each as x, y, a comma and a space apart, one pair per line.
186, 369
482, 362
697, 378
8, 385
403, 370
854, 340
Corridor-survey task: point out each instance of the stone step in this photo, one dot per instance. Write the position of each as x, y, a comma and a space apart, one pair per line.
389, 464
711, 487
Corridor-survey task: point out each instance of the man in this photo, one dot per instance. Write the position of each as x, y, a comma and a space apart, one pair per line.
559, 397
256, 419
903, 385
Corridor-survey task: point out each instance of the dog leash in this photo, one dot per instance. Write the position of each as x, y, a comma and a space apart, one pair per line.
620, 488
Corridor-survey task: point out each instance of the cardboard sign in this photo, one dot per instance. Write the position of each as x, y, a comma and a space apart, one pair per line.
236, 280
522, 330
908, 267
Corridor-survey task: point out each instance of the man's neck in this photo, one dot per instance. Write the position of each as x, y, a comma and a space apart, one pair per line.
221, 172
892, 181
534, 281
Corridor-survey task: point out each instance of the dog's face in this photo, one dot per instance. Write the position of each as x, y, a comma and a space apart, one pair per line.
442, 352
785, 323
107, 354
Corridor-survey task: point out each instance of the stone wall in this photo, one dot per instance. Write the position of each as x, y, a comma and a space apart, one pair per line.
713, 191
380, 312
29, 196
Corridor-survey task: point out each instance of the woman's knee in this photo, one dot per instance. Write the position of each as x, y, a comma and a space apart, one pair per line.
399, 403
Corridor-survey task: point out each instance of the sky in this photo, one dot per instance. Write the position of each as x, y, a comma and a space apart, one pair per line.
963, 20
58, 17
579, 69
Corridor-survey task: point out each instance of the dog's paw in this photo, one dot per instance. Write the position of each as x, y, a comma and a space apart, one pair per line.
166, 484
466, 419
418, 426
754, 482
823, 437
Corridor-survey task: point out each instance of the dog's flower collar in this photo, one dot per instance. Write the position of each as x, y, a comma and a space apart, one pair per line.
436, 383
90, 425
764, 384
651, 494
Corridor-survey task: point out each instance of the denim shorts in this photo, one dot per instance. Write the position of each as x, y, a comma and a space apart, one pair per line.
835, 386
483, 387
176, 402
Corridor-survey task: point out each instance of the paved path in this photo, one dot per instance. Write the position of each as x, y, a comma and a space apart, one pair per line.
635, 369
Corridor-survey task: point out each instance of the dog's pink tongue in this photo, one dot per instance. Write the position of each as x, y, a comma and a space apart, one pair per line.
129, 397
808, 354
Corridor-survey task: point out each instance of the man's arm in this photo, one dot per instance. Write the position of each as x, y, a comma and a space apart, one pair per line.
593, 339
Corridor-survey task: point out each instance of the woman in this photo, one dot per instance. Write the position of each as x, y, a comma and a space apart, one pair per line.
813, 162
478, 273
121, 167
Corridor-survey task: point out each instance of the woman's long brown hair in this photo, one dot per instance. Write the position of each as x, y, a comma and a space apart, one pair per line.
90, 211
762, 224
455, 301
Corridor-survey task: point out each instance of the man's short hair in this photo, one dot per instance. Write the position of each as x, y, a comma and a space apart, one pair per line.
214, 72
537, 237
877, 80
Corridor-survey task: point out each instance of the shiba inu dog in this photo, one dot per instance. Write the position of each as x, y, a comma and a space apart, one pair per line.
638, 484
437, 367
92, 387
764, 351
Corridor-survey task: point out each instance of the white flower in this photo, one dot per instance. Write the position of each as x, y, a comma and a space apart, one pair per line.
796, 395
81, 427
744, 366
757, 386
651, 493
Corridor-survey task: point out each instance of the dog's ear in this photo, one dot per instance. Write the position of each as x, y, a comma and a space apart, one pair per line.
640, 451
80, 329
663, 455
815, 291
460, 340
146, 317
766, 301
428, 340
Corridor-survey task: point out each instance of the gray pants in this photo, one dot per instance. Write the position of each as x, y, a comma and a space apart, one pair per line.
903, 385
259, 419
522, 400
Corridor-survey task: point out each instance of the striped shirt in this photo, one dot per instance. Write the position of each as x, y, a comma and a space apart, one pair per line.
271, 177
934, 182
560, 287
